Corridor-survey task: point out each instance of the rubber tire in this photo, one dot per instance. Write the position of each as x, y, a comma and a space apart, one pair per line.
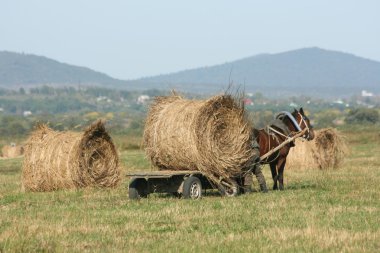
188, 188
138, 188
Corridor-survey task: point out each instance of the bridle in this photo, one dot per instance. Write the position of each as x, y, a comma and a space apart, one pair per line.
303, 120
297, 124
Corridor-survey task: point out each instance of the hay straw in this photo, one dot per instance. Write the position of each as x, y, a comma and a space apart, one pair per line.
61, 160
326, 151
12, 151
213, 136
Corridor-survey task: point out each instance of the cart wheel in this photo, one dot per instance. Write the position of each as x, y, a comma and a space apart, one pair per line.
138, 188
192, 188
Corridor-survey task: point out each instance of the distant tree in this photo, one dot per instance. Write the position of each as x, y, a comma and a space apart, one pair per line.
257, 96
326, 117
47, 90
16, 128
363, 115
22, 91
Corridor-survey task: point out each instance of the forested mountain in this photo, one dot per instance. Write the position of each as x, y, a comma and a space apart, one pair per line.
25, 69
311, 71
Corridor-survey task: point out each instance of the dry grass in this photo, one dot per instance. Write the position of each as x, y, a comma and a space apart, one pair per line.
12, 151
213, 136
319, 211
61, 160
327, 151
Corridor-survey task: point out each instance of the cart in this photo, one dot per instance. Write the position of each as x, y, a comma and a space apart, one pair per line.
187, 183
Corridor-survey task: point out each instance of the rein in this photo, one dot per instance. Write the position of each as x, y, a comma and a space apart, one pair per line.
302, 120
296, 124
273, 132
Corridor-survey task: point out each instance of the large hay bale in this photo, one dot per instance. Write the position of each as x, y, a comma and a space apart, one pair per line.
12, 151
326, 151
61, 160
213, 136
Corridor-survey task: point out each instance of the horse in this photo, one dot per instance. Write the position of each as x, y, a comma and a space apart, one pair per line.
283, 127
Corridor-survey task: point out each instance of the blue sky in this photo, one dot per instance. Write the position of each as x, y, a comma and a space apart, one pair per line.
131, 39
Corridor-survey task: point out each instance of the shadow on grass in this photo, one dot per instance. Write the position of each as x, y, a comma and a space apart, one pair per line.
210, 193
207, 194
303, 186
10, 166
9, 170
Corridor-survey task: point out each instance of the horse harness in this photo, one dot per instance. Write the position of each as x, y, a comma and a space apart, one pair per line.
283, 131
274, 133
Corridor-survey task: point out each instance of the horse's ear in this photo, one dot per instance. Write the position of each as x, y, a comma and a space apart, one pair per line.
295, 110
301, 110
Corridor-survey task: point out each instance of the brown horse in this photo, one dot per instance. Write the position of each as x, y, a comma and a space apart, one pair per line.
285, 126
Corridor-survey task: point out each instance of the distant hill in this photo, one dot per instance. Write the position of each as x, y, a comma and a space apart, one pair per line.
26, 70
309, 71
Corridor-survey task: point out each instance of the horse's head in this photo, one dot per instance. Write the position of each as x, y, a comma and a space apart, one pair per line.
304, 123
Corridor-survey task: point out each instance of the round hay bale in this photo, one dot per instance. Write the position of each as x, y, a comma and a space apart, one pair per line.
213, 136
301, 156
330, 148
61, 160
12, 151
326, 151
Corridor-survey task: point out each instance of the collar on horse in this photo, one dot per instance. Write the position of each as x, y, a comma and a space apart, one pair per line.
278, 123
281, 116
284, 129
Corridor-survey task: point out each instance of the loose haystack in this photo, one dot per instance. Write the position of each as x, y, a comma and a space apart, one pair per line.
213, 136
61, 160
326, 151
12, 151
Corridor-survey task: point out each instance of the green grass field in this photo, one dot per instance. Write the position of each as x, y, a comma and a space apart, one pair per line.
319, 211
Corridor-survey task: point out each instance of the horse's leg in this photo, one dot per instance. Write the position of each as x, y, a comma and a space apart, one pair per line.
273, 169
281, 167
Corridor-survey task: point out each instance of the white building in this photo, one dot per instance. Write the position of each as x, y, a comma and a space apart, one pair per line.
143, 99
27, 113
366, 93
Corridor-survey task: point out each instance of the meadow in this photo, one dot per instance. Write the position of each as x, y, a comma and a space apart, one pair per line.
319, 211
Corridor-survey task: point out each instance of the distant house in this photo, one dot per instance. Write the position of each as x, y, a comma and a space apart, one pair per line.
103, 98
143, 99
27, 113
341, 102
248, 101
366, 93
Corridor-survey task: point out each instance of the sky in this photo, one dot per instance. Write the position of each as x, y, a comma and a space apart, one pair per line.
133, 39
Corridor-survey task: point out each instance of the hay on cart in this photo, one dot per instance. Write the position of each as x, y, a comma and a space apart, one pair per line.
213, 136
